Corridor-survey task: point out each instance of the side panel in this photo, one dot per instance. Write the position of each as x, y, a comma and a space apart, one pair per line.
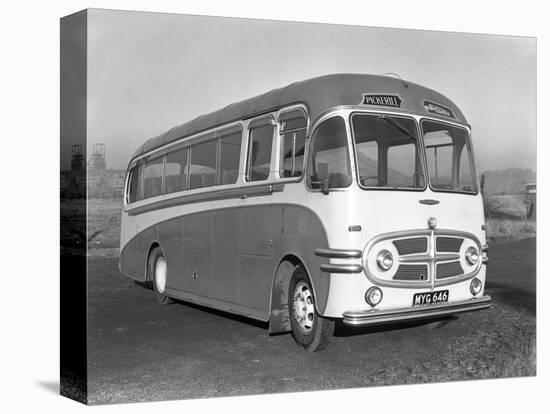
232, 254
131, 259
197, 254
299, 233
256, 264
226, 242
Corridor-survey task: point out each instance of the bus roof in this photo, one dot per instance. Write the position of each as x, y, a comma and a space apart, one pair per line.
319, 95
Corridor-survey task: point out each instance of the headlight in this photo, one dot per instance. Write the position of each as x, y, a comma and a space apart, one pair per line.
384, 260
373, 296
475, 286
472, 255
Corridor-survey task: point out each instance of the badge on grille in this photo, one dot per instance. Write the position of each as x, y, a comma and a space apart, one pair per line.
432, 222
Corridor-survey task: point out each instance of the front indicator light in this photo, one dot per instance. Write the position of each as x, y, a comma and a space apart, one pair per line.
475, 286
373, 296
472, 255
384, 260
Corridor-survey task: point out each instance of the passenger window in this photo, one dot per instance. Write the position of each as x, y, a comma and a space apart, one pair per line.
176, 171
230, 154
202, 170
329, 156
293, 126
134, 185
152, 177
259, 151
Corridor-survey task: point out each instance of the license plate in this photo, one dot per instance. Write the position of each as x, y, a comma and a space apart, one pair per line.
430, 298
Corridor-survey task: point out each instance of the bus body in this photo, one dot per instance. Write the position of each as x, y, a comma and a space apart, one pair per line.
343, 197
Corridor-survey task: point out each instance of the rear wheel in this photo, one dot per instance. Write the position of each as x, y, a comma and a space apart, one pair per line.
310, 330
158, 272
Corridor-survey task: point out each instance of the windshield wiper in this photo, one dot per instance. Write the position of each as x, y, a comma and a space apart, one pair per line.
397, 125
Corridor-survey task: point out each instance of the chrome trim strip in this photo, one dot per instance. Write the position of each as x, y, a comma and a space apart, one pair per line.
215, 194
339, 253
341, 268
423, 258
375, 316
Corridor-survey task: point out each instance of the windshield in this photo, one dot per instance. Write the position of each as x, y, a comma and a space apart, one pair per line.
387, 151
449, 157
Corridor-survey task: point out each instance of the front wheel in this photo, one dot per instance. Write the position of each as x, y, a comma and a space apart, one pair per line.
310, 330
159, 271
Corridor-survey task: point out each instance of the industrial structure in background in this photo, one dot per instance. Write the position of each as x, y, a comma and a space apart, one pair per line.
102, 182
94, 176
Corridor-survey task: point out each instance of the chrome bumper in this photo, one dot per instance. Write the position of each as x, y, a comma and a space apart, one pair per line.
375, 316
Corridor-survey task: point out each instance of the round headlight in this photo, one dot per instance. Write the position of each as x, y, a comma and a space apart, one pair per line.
475, 286
384, 260
373, 296
472, 255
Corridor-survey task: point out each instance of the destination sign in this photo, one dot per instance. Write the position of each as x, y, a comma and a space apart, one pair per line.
437, 109
381, 100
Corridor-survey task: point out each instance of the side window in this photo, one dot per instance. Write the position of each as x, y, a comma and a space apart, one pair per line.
134, 184
293, 126
152, 177
230, 154
260, 142
329, 155
202, 170
176, 171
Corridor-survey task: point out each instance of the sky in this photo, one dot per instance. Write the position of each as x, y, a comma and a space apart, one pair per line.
148, 72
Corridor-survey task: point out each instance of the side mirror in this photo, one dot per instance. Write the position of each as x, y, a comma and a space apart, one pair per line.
482, 182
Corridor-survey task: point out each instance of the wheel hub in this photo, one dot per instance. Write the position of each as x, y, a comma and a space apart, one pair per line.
304, 310
160, 274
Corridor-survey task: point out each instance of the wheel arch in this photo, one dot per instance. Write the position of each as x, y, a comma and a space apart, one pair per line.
279, 319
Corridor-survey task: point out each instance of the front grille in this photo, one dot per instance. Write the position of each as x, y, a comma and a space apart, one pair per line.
423, 258
450, 269
448, 244
411, 272
411, 246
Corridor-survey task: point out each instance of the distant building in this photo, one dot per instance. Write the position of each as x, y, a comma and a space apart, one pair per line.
531, 200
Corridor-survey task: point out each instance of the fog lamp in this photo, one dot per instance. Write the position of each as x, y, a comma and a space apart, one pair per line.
475, 286
472, 255
373, 296
384, 260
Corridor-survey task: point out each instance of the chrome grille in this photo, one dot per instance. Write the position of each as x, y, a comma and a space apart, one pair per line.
426, 258
450, 269
412, 245
411, 272
448, 244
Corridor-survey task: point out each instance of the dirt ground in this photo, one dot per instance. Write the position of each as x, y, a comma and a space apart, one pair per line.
141, 351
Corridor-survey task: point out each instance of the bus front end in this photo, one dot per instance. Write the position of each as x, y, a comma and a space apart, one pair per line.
411, 242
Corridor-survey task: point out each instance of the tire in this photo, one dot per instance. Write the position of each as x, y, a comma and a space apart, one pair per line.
158, 271
310, 330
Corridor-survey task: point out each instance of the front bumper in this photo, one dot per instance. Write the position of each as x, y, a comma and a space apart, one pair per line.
375, 316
